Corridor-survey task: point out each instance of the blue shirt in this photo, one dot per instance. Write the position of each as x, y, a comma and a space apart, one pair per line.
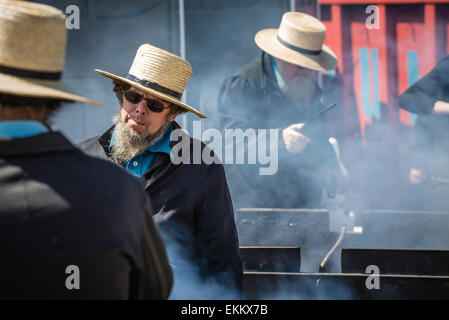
275, 69
21, 128
139, 164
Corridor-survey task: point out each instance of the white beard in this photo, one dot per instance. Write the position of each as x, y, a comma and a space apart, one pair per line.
302, 92
130, 142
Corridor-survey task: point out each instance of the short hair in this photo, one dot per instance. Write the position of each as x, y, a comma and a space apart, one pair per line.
120, 87
176, 109
50, 106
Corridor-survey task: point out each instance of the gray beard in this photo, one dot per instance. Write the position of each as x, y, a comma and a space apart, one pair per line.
303, 92
130, 142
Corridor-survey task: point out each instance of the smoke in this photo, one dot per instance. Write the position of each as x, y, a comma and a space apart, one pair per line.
378, 164
190, 281
219, 41
304, 287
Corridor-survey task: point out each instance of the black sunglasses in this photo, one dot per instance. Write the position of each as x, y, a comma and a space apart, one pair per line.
152, 104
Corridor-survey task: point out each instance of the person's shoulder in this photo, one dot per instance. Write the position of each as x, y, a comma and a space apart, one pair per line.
444, 61
105, 179
110, 170
89, 142
245, 77
442, 67
210, 163
251, 69
92, 147
214, 161
96, 140
207, 159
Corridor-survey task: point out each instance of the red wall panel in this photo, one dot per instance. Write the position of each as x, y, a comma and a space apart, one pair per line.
415, 32
412, 37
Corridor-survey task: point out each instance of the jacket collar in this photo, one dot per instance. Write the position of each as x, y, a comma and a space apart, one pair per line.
105, 141
176, 126
267, 77
42, 143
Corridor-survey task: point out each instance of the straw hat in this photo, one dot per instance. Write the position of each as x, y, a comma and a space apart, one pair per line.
299, 40
32, 49
160, 73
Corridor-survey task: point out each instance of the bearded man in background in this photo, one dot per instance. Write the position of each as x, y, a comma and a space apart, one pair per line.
279, 90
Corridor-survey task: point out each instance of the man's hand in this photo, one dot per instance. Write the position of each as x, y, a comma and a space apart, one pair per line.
415, 176
294, 141
441, 107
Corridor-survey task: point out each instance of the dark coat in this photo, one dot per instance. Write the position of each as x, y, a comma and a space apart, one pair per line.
252, 99
193, 209
60, 207
422, 95
429, 141
428, 151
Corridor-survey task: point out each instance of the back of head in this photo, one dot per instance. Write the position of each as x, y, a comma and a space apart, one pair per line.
33, 39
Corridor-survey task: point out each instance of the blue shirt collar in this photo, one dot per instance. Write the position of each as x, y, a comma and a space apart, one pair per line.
21, 128
162, 145
275, 69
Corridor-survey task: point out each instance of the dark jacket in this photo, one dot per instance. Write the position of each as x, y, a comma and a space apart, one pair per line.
193, 209
429, 141
252, 99
428, 151
59, 207
422, 95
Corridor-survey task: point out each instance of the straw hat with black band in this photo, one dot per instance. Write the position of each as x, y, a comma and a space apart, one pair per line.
299, 41
159, 73
33, 39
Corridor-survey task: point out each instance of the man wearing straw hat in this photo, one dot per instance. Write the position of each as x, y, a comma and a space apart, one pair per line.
64, 232
279, 90
190, 200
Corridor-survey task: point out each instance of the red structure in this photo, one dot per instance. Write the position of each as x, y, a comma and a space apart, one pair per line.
377, 64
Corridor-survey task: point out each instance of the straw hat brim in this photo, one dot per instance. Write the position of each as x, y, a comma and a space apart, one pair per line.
267, 41
44, 89
152, 91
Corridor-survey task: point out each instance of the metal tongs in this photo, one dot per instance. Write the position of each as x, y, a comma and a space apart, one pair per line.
317, 116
